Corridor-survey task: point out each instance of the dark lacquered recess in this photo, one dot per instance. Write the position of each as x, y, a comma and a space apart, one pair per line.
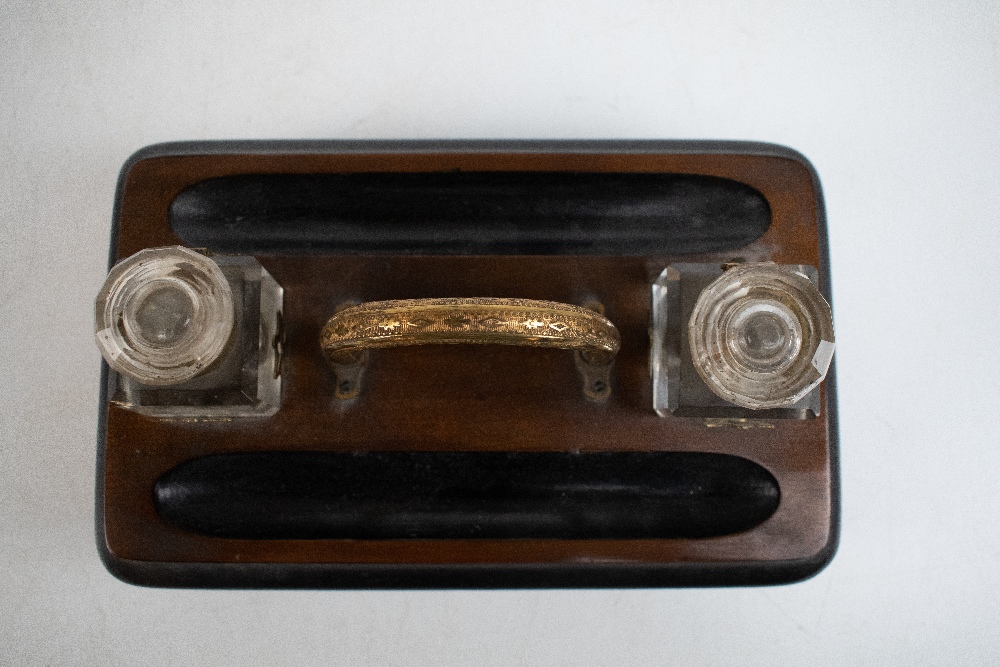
470, 213
467, 495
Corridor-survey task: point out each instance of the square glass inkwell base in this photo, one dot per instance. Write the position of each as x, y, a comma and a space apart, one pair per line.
743, 341
192, 336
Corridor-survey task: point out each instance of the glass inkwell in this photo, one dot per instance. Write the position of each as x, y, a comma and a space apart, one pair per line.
741, 340
187, 335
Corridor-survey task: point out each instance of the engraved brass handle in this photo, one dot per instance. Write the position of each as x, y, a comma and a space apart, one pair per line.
355, 329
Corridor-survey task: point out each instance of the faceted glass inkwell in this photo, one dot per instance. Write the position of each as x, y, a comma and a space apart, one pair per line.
746, 337
188, 335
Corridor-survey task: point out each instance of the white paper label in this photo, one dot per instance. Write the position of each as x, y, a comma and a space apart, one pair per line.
108, 344
824, 353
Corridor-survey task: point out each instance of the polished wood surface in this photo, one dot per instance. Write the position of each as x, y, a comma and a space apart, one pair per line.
467, 398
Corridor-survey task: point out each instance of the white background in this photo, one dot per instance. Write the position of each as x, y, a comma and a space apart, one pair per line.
894, 103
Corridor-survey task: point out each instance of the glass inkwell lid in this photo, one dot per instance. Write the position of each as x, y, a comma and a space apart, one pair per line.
164, 316
761, 336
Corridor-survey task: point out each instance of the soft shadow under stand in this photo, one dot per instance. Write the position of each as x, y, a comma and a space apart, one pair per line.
471, 465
